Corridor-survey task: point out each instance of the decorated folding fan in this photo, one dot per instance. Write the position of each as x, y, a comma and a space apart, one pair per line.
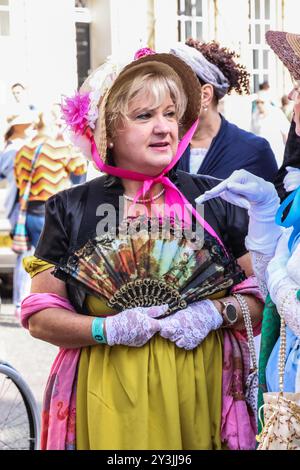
145, 265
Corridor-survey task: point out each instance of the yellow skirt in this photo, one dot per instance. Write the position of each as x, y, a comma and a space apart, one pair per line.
154, 397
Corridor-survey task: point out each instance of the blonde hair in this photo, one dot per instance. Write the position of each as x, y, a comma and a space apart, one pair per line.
154, 83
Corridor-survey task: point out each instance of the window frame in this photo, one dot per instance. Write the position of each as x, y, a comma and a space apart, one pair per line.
6, 9
182, 19
262, 72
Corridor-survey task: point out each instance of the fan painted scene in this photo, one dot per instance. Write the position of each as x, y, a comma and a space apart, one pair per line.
150, 227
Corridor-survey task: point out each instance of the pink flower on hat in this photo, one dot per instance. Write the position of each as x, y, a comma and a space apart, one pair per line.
142, 52
75, 112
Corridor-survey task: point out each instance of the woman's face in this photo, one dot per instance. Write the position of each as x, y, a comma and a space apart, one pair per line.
294, 95
147, 141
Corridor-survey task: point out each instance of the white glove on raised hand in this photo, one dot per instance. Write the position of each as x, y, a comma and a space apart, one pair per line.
292, 179
189, 327
260, 198
133, 327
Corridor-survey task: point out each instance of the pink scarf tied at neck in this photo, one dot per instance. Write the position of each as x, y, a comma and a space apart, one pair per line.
173, 197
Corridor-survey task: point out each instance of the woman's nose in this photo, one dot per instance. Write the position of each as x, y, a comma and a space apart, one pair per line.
161, 125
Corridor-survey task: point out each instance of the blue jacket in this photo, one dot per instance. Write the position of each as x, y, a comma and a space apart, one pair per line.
233, 149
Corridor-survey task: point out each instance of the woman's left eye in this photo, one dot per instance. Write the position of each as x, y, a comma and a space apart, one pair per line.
171, 114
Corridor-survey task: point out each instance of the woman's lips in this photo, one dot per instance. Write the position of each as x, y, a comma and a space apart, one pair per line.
160, 146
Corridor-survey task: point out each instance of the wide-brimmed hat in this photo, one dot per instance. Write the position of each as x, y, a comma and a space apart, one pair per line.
24, 118
171, 64
287, 47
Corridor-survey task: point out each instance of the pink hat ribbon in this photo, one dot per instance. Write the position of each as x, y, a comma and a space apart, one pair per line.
173, 197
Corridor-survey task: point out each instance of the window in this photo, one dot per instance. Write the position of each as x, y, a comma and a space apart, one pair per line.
83, 51
4, 17
261, 19
82, 23
191, 15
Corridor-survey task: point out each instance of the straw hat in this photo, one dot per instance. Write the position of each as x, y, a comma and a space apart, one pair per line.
287, 47
171, 65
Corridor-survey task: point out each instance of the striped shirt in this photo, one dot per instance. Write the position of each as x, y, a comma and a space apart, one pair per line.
55, 163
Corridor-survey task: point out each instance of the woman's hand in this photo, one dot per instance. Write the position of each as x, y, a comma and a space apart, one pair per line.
260, 198
292, 179
189, 327
242, 189
133, 327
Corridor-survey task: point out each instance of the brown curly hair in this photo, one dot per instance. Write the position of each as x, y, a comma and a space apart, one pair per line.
222, 57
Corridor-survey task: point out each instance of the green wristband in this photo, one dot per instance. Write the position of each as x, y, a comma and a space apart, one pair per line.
97, 330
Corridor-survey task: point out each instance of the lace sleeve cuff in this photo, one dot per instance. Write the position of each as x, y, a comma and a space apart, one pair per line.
260, 263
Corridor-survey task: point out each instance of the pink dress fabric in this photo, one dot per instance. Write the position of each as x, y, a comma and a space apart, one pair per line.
59, 407
238, 423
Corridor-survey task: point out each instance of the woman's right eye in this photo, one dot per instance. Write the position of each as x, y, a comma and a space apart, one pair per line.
143, 116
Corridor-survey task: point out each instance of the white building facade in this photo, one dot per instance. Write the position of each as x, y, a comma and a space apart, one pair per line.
50, 45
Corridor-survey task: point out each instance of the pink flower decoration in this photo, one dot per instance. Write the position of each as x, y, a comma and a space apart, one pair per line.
75, 111
142, 52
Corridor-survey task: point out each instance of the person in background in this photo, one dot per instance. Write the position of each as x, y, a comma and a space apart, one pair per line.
270, 122
55, 163
288, 176
287, 107
273, 243
218, 146
265, 90
18, 132
59, 133
20, 103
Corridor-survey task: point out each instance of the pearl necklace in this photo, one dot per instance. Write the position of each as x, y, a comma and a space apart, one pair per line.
145, 201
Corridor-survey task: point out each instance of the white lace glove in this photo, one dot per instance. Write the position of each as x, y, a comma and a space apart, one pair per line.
133, 327
292, 179
283, 289
260, 198
189, 327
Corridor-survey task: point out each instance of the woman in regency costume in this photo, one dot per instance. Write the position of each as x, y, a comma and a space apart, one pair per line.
274, 242
131, 380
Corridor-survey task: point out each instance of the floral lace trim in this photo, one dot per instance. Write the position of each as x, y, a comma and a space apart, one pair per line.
260, 263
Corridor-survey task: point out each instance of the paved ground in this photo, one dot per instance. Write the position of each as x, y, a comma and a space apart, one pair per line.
31, 357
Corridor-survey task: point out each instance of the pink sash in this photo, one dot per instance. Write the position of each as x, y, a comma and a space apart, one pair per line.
59, 407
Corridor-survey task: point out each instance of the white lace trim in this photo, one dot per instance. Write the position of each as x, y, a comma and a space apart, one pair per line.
260, 263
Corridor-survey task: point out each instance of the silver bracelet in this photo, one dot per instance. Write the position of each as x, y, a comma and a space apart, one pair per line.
249, 328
